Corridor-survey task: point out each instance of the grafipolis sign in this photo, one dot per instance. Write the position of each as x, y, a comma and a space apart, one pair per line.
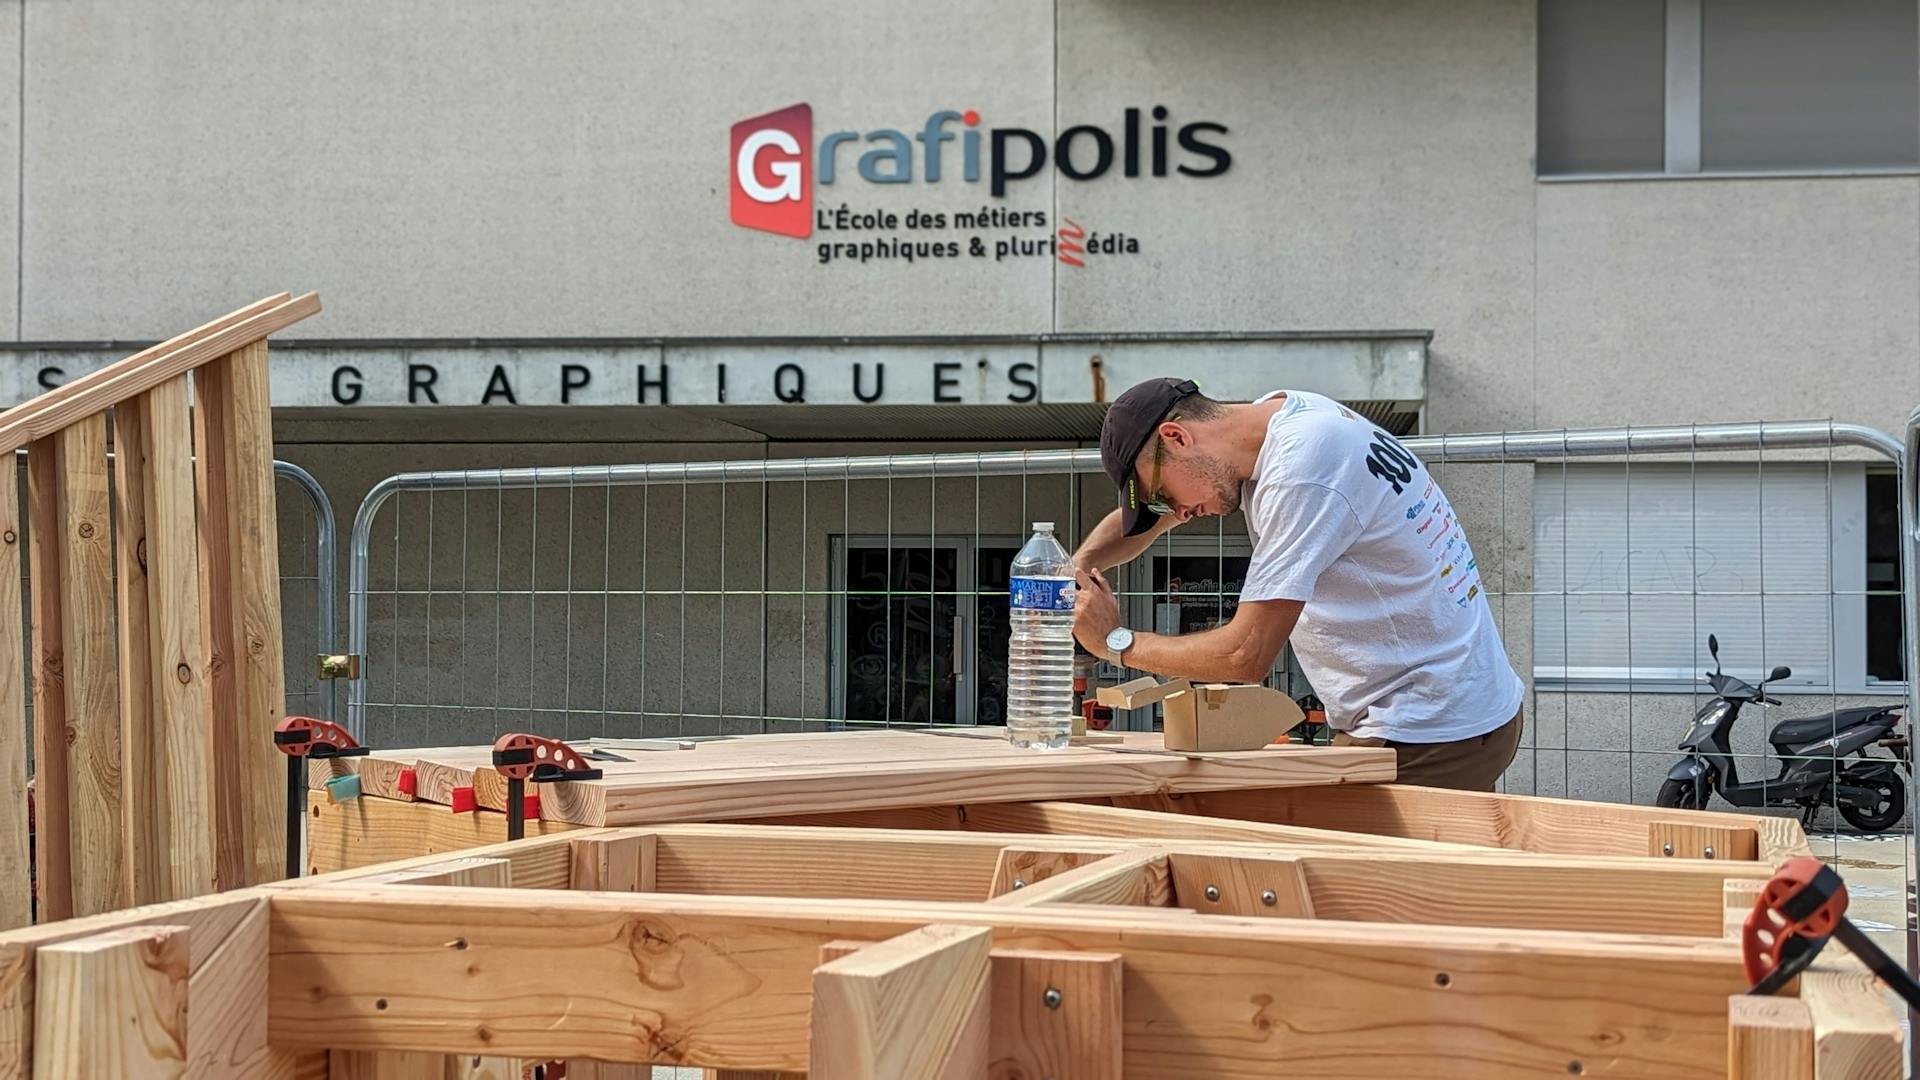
774, 167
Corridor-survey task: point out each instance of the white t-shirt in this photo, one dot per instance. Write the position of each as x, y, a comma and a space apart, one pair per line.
1397, 637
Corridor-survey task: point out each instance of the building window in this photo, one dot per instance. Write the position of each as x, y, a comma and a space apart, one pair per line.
1727, 86
1635, 566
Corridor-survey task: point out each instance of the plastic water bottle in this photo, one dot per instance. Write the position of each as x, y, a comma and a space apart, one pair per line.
1040, 646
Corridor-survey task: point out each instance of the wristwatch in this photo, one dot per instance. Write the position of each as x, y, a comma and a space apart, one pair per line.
1118, 642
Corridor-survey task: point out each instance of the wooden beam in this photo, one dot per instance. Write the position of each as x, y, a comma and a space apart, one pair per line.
261, 666
1514, 1002
614, 863
1134, 877
1541, 892
145, 865
916, 1007
226, 1029
1856, 1033
1769, 1038
113, 1005
1086, 819
364, 832
1057, 1014
15, 843
213, 423
477, 872
1519, 822
88, 670
393, 1065
52, 838
94, 393
1020, 866
180, 810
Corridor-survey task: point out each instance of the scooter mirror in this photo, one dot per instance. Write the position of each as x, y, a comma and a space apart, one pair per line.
1779, 673
1713, 646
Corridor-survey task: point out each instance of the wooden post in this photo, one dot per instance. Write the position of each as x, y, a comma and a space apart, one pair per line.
51, 839
1056, 1014
113, 1006
212, 435
1769, 1038
182, 810
15, 896
913, 1007
614, 863
145, 866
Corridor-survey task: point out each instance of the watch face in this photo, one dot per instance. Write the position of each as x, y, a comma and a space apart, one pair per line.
1119, 639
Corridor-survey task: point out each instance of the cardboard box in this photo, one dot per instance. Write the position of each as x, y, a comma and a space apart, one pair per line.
1209, 717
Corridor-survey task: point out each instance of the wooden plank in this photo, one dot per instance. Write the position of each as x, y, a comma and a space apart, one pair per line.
142, 812
15, 843
366, 832
1681, 840
52, 839
1538, 892
219, 621
839, 771
227, 1013
1517, 822
615, 863
1857, 1034
1079, 1036
1277, 887
437, 777
182, 806
213, 921
1084, 819
98, 391
261, 674
1132, 877
1020, 866
916, 1007
1517, 1003
88, 670
393, 1065
1769, 1038
1740, 897
489, 873
113, 1005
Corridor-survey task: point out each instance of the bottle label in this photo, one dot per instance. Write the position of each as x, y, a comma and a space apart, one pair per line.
1042, 594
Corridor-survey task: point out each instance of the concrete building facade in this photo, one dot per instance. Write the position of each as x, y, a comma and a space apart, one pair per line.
596, 233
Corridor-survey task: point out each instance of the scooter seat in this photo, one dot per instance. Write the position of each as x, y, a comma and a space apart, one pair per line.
1814, 728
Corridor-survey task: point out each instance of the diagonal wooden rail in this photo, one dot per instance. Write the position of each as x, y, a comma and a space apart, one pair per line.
153, 650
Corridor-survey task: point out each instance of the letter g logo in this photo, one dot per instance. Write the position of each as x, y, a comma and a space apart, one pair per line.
770, 175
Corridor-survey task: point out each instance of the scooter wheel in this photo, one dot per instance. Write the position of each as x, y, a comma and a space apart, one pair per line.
1678, 795
1892, 807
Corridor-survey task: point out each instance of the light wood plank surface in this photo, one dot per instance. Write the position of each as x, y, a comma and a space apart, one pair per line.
15, 844
113, 1005
914, 1007
143, 832
52, 840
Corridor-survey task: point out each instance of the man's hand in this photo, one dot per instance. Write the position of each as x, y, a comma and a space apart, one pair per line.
1096, 611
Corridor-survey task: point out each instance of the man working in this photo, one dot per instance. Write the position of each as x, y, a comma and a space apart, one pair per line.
1357, 557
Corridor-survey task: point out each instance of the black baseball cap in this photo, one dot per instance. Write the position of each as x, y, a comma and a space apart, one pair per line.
1130, 422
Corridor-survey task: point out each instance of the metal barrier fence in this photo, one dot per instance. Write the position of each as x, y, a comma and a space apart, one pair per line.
309, 598
770, 595
727, 597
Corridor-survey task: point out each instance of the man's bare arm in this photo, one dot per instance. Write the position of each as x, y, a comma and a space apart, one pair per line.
1104, 548
1241, 651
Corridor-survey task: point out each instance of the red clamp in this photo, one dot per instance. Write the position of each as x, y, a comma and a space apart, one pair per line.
304, 736
520, 756
1800, 908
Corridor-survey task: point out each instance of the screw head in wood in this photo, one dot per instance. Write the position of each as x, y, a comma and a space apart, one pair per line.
1019, 883
1709, 852
1666, 849
1269, 898
1051, 997
86, 530
1213, 892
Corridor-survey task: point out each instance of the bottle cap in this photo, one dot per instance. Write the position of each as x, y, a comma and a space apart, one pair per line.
1043, 526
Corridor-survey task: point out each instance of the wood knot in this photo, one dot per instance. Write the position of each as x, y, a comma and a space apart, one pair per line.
184, 674
86, 530
9, 536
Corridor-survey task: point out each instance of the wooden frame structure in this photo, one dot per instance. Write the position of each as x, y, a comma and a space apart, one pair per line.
153, 649
1200, 937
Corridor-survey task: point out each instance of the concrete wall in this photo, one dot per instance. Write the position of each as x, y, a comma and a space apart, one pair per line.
513, 170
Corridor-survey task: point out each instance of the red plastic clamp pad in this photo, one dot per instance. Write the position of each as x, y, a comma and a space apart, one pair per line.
463, 800
408, 783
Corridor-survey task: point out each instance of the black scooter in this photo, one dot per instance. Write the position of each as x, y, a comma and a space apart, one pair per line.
1868, 792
